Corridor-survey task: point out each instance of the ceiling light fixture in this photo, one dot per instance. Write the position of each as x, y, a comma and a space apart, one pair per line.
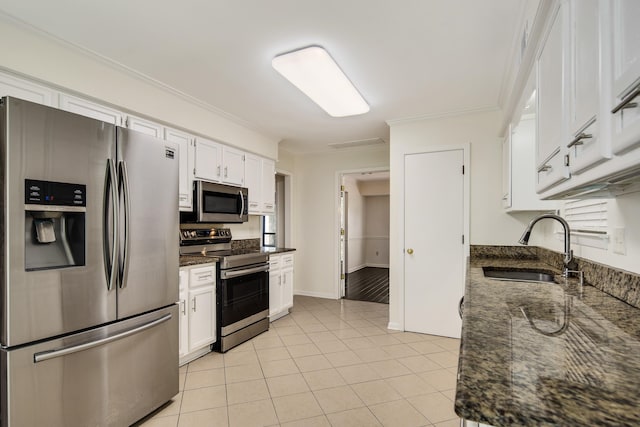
315, 73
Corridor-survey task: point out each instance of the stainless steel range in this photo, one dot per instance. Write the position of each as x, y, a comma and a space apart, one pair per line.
242, 291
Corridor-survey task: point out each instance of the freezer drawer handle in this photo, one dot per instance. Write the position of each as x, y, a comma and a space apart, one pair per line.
46, 355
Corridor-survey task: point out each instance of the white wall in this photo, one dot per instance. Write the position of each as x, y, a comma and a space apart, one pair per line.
489, 224
316, 214
34, 55
376, 187
376, 231
356, 213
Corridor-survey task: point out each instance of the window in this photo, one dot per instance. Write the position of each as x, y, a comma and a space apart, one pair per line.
269, 230
588, 221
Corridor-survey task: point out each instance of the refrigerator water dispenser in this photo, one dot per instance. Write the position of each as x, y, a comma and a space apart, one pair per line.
54, 225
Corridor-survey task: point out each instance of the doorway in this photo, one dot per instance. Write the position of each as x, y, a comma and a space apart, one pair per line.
364, 236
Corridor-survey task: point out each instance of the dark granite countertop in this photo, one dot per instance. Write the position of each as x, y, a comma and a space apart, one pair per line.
537, 354
190, 260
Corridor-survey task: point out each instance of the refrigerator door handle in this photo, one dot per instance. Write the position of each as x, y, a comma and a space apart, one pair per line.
110, 262
52, 354
124, 176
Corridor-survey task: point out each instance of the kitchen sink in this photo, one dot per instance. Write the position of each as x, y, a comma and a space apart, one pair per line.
519, 274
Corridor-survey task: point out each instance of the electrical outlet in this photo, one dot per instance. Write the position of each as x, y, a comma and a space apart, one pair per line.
619, 246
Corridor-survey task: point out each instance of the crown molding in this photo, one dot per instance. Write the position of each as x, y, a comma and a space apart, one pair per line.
443, 114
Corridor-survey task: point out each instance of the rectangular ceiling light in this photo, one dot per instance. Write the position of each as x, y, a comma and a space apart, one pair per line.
315, 73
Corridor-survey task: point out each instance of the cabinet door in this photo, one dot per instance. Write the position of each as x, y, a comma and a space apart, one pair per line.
90, 109
550, 156
183, 313
268, 186
233, 166
252, 180
287, 288
208, 160
626, 75
586, 147
506, 170
145, 126
18, 88
275, 293
186, 158
202, 317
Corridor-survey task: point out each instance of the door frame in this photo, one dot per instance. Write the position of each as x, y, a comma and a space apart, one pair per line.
397, 278
337, 291
288, 207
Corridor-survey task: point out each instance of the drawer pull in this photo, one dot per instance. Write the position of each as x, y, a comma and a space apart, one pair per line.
626, 102
578, 139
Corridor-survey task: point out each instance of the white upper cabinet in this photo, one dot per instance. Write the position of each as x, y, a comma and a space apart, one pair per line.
23, 89
260, 179
232, 166
550, 154
218, 163
268, 186
90, 109
252, 180
208, 160
145, 126
584, 141
626, 75
186, 170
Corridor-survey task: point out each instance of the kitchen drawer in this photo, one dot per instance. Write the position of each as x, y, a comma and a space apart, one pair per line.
201, 276
274, 262
287, 261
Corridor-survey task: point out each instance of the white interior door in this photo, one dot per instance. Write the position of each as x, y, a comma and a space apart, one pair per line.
433, 236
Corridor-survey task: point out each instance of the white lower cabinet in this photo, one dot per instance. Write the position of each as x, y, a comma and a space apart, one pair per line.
197, 311
280, 285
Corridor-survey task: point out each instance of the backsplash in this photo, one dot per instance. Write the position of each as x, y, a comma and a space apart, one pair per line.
245, 244
618, 283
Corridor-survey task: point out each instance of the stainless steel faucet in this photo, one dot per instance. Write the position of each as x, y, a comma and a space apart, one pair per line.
569, 262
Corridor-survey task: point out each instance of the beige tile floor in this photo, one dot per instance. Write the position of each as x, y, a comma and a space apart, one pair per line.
328, 363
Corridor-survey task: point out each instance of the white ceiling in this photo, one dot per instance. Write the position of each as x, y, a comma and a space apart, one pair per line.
408, 58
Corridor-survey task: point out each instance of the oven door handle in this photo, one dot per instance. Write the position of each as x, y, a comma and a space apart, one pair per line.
230, 274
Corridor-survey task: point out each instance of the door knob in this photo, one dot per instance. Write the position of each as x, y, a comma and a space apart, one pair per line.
410, 251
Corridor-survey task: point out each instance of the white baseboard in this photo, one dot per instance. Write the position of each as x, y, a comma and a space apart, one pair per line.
190, 357
313, 294
356, 268
378, 265
395, 326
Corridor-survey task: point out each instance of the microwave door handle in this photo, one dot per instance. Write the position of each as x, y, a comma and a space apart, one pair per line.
127, 215
242, 205
110, 262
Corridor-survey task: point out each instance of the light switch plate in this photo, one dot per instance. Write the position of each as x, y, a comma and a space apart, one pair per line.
619, 245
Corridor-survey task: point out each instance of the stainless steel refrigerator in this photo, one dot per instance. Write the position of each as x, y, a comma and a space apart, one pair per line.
89, 270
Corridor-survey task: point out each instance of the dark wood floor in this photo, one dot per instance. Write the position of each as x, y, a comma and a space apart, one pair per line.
368, 284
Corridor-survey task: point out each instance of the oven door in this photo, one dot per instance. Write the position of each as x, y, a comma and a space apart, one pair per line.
243, 297
221, 203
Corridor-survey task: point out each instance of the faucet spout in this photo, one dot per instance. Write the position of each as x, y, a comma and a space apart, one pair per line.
568, 253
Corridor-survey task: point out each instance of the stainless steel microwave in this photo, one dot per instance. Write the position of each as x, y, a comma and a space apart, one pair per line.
219, 203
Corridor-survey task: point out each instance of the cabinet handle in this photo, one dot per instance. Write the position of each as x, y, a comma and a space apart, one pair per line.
544, 168
218, 173
626, 102
183, 303
226, 171
578, 139
410, 251
194, 305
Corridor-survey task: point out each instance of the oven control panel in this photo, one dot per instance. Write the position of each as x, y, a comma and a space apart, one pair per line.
193, 236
